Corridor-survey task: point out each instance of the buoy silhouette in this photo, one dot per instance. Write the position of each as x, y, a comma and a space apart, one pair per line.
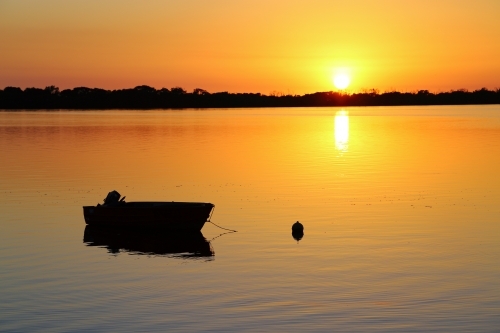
297, 226
297, 231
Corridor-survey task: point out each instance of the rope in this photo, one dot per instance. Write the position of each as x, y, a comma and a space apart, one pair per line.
211, 212
218, 226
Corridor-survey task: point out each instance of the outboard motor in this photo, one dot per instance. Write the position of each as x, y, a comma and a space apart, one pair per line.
113, 198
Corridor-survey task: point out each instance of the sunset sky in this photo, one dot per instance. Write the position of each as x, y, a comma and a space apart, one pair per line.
251, 45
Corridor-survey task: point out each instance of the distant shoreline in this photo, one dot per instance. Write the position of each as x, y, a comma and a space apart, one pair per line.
145, 97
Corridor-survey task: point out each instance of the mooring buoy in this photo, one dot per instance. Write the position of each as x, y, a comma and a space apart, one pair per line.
297, 226
297, 231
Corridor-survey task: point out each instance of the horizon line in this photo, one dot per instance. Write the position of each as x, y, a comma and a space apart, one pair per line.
277, 93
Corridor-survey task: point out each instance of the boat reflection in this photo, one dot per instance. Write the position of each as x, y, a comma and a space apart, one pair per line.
149, 242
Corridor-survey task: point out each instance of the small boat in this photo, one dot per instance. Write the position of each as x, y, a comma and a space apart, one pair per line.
172, 216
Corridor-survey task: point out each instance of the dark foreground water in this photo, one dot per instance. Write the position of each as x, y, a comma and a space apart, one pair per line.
400, 207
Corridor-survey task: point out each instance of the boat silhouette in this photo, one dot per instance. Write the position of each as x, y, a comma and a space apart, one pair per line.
149, 242
173, 216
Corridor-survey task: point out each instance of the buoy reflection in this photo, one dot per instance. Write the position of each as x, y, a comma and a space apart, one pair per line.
297, 235
341, 130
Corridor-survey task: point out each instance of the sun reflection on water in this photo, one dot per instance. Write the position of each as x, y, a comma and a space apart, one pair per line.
341, 130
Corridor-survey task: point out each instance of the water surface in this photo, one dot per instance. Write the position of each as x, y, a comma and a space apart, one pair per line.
400, 208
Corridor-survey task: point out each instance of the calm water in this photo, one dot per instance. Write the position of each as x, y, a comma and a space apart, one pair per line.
400, 207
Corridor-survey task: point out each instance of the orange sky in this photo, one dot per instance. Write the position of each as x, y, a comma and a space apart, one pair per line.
251, 45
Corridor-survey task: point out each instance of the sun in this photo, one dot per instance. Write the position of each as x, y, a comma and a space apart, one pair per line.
341, 81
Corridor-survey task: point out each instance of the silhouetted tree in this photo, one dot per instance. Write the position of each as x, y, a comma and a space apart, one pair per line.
199, 91
178, 91
146, 97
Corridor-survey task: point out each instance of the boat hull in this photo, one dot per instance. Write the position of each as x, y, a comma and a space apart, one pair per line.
175, 216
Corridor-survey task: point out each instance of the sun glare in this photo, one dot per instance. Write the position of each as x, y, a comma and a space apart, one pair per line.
341, 81
341, 130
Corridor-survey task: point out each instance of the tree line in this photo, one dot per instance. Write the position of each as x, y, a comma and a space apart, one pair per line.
145, 97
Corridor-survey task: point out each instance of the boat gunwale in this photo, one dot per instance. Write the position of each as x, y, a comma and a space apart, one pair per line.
152, 204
